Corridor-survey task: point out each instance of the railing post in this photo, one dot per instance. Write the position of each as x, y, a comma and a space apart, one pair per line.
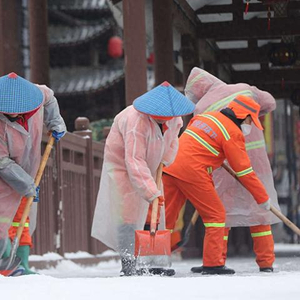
82, 129
58, 188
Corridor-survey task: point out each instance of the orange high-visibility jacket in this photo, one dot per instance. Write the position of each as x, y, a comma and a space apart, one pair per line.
208, 140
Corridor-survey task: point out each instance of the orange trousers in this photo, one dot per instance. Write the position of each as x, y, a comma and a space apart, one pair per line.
263, 245
204, 198
25, 239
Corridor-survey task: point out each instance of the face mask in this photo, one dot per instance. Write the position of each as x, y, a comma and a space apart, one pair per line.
246, 128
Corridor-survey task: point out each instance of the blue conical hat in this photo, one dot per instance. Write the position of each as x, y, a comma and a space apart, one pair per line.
164, 101
18, 95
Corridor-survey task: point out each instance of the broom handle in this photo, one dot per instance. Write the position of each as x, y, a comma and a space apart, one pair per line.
155, 201
275, 211
36, 182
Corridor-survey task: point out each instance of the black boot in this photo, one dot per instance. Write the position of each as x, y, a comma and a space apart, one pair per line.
197, 269
128, 266
266, 270
219, 270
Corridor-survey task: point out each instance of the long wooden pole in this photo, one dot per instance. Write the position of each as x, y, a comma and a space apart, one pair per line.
275, 211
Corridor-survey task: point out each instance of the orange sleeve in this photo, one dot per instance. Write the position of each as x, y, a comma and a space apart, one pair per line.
236, 154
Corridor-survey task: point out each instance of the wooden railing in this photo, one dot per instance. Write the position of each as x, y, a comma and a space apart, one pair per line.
68, 194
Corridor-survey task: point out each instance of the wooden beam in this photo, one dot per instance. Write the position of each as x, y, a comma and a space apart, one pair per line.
253, 7
277, 90
290, 76
242, 56
184, 18
255, 28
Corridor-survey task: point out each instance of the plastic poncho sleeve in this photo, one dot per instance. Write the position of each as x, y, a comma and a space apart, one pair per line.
170, 154
52, 117
137, 168
265, 100
14, 175
238, 159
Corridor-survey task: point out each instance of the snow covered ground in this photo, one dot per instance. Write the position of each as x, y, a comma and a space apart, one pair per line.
72, 281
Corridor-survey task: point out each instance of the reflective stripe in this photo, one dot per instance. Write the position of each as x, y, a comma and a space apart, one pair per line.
244, 172
255, 145
194, 80
225, 238
219, 124
209, 170
202, 141
171, 230
214, 224
264, 233
223, 102
5, 220
17, 224
245, 105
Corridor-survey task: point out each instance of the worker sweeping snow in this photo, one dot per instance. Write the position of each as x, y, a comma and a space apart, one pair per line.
142, 136
212, 94
24, 107
208, 140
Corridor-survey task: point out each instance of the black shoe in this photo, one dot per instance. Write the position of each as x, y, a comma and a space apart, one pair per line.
197, 269
266, 270
156, 271
128, 267
220, 270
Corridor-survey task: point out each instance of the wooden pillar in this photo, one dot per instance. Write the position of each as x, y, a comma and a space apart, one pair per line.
163, 41
10, 37
135, 49
39, 49
189, 55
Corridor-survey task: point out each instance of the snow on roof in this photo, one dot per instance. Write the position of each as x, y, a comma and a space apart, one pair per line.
66, 35
78, 80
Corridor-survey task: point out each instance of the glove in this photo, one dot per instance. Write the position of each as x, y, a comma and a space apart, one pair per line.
37, 196
57, 135
266, 205
161, 201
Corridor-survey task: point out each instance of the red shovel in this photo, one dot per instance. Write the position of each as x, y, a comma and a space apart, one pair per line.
153, 248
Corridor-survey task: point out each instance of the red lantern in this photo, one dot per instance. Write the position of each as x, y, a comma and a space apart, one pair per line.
150, 59
115, 47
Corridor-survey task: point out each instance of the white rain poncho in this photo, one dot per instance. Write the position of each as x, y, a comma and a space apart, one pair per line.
212, 94
134, 149
20, 153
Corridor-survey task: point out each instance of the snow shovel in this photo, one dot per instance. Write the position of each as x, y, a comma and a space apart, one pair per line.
274, 210
153, 248
9, 264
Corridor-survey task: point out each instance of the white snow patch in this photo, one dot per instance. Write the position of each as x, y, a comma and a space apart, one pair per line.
287, 247
79, 254
69, 281
47, 256
108, 253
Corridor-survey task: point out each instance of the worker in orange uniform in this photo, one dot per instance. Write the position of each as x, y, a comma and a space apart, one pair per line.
208, 140
212, 94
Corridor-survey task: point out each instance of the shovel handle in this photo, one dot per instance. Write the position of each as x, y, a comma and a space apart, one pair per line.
275, 211
36, 182
155, 201
285, 220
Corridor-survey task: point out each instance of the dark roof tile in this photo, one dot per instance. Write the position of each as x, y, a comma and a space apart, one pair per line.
79, 80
